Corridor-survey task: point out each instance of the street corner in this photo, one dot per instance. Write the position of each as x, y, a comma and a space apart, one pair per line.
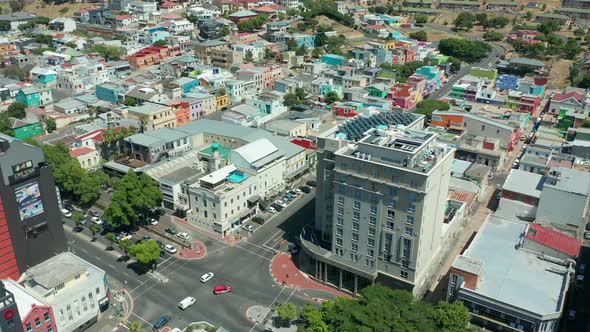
231, 239
198, 250
257, 314
285, 273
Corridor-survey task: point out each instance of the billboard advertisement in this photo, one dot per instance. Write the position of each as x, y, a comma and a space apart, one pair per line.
28, 199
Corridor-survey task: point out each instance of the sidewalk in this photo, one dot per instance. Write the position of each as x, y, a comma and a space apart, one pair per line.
230, 240
198, 251
284, 272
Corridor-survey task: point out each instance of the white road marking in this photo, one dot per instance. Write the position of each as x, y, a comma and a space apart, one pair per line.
136, 315
263, 248
216, 250
98, 258
83, 250
272, 237
270, 306
162, 269
157, 281
253, 253
287, 300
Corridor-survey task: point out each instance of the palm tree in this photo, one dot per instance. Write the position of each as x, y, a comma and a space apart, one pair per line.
143, 121
135, 326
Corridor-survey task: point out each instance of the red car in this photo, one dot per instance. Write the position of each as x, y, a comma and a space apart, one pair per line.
221, 289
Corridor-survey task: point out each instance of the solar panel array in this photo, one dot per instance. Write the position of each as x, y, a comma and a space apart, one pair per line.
355, 127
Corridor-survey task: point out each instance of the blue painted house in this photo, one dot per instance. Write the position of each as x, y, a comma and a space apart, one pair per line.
187, 84
304, 40
327, 88
333, 59
157, 33
507, 82
109, 92
432, 73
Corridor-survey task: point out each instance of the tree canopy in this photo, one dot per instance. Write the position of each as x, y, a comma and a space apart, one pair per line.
380, 308
427, 106
107, 51
466, 50
419, 35
421, 18
332, 97
493, 36
146, 252
464, 20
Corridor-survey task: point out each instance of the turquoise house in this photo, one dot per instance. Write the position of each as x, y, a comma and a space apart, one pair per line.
333, 59
188, 84
24, 128
33, 96
396, 35
43, 75
432, 73
109, 92
327, 88
379, 90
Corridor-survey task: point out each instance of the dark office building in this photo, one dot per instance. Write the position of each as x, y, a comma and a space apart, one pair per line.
9, 316
30, 222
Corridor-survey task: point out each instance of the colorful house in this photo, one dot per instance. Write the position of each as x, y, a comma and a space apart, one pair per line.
109, 92
333, 59
533, 85
420, 84
304, 40
378, 90
508, 82
188, 84
43, 75
434, 75
403, 96
181, 110
222, 101
327, 88
348, 109
24, 128
34, 96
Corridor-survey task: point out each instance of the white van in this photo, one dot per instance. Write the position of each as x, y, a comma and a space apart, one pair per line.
66, 213
187, 302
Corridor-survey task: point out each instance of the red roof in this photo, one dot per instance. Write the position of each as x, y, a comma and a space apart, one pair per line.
304, 143
374, 27
81, 151
564, 96
95, 135
554, 240
168, 4
540, 80
123, 17
265, 9
462, 196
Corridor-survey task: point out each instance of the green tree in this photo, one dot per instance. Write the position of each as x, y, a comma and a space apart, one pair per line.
134, 197
419, 35
300, 92
481, 18
321, 39
16, 72
249, 56
224, 31
493, 36
312, 319
107, 51
579, 33
548, 27
17, 110
528, 15
50, 125
427, 106
455, 64
317, 52
31, 141
143, 122
112, 239
496, 22
268, 54
129, 101
146, 252
290, 100
124, 246
466, 50
94, 229
77, 218
571, 49
421, 19
332, 97
451, 317
64, 10
292, 45
4, 26
16, 5
287, 313
301, 50
282, 16
135, 326
161, 42
464, 21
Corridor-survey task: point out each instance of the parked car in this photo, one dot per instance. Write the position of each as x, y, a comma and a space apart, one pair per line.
271, 209
582, 268
298, 191
146, 238
220, 289
277, 207
248, 228
123, 236
170, 249
93, 213
171, 230
571, 314
66, 213
207, 276
161, 244
587, 235
183, 235
152, 221
161, 322
293, 248
281, 203
292, 193
96, 220
187, 302
305, 189
588, 226
311, 183
522, 138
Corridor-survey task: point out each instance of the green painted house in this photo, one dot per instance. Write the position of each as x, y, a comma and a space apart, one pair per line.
378, 90
24, 128
34, 96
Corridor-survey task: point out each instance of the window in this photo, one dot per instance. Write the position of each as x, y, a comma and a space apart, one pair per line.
411, 208
354, 247
371, 231
372, 220
412, 197
392, 203
340, 200
371, 242
410, 219
370, 253
357, 193
356, 215
339, 231
373, 209
339, 221
355, 237
404, 274
340, 210
483, 127
97, 290
406, 249
389, 225
390, 214
355, 226
393, 179
357, 205
393, 191
387, 246
29, 328
338, 241
47, 317
49, 328
409, 231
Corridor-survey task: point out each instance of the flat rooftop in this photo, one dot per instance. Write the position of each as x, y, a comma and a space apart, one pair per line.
512, 276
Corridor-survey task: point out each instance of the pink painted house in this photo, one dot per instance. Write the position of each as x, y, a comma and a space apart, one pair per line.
403, 96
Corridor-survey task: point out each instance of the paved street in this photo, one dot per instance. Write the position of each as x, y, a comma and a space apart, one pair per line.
244, 266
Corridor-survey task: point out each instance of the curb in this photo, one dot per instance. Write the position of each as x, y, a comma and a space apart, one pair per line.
208, 234
179, 256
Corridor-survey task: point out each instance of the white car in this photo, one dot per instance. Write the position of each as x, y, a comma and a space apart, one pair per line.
281, 203
66, 213
96, 220
152, 221
248, 228
207, 276
587, 235
271, 209
183, 235
298, 191
170, 249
